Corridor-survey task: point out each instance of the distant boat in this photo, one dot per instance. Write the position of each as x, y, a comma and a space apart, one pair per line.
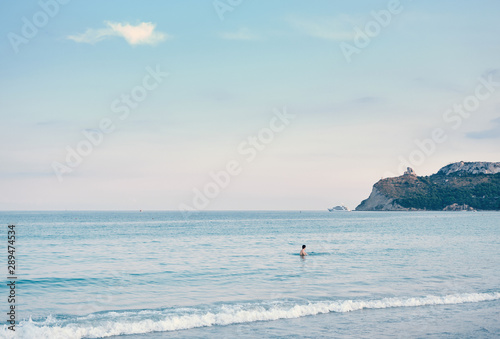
340, 208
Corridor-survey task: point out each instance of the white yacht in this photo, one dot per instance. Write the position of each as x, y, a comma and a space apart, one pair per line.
340, 208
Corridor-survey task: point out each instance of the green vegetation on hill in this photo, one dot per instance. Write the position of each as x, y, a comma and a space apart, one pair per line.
435, 192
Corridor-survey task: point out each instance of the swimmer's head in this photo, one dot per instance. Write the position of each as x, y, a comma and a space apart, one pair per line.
303, 246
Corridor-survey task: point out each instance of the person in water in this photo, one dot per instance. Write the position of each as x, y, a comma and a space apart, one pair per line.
303, 251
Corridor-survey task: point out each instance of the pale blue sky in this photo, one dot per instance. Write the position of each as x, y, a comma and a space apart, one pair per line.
353, 120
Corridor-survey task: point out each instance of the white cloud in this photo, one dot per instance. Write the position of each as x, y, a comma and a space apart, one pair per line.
143, 33
241, 34
336, 29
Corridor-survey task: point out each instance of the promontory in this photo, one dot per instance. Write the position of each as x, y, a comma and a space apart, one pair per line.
458, 186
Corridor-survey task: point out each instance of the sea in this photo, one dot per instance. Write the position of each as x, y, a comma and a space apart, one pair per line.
238, 274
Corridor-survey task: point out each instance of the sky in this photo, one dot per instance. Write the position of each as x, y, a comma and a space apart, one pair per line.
239, 104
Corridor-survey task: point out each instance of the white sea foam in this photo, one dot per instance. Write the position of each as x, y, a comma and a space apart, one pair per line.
106, 324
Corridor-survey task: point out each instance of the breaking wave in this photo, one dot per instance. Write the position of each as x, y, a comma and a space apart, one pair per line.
109, 323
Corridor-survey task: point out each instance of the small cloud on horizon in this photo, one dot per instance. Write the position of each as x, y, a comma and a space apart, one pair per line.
491, 133
141, 34
493, 73
367, 100
340, 28
243, 34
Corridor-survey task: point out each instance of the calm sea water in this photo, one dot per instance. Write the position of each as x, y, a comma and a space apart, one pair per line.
238, 274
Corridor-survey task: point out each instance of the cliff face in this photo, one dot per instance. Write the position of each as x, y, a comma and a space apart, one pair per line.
379, 202
476, 184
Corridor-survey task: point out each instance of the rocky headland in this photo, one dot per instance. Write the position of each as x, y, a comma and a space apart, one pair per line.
456, 187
